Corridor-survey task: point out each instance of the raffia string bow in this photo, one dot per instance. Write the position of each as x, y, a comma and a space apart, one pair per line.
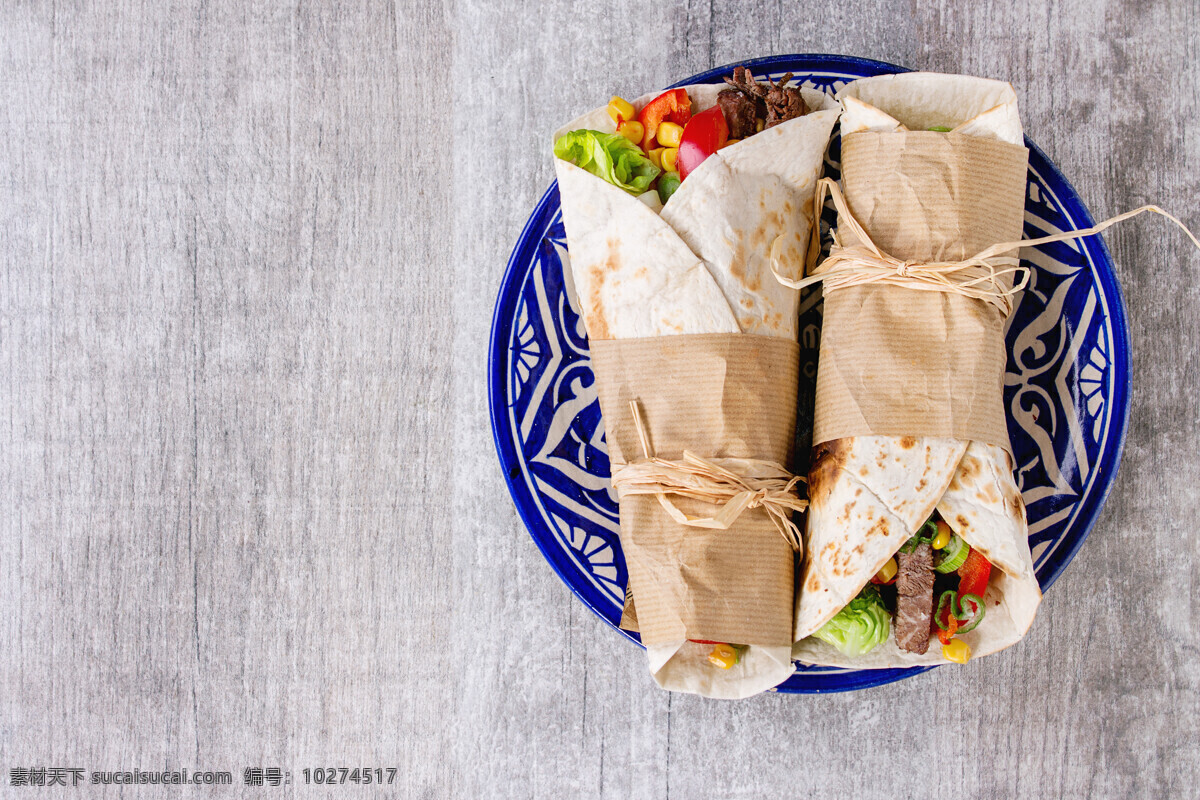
733, 484
983, 276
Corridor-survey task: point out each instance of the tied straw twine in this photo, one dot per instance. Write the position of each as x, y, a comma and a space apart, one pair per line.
733, 484
980, 276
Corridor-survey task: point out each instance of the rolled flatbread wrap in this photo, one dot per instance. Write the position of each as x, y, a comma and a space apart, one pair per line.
683, 315
871, 494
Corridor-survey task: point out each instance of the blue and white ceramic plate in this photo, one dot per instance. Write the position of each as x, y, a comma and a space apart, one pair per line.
1066, 388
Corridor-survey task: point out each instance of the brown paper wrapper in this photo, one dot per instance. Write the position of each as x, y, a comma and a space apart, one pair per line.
719, 396
903, 362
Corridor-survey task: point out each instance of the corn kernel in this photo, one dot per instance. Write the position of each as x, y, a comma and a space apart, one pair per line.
943, 535
670, 159
669, 134
723, 656
620, 110
632, 130
728, 142
655, 156
758, 126
957, 651
887, 571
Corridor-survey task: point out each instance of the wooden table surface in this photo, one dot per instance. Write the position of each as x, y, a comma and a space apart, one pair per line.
250, 510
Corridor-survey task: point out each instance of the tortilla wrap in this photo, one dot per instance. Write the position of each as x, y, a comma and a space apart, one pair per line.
869, 494
700, 265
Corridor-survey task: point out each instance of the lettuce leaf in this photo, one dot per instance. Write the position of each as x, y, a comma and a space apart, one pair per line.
609, 156
859, 627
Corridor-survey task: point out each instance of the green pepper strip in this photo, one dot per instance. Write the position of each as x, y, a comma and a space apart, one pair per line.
926, 533
953, 555
976, 617
952, 596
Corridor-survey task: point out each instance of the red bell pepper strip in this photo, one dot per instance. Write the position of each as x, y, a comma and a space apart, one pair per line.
704, 135
673, 105
973, 574
944, 636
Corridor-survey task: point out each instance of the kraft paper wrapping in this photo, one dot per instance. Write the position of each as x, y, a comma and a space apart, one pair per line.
902, 362
717, 395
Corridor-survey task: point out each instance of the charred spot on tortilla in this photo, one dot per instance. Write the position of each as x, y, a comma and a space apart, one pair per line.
596, 326
1016, 503
908, 442
595, 323
963, 523
764, 236
969, 467
737, 266
828, 458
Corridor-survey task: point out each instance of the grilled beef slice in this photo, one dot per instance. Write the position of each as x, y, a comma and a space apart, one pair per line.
784, 103
914, 598
773, 102
740, 113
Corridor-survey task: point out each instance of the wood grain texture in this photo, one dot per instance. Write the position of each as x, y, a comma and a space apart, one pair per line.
250, 514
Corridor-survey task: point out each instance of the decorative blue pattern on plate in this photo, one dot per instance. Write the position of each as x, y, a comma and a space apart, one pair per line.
1066, 387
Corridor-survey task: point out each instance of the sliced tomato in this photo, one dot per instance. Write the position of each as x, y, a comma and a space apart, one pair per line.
704, 135
673, 105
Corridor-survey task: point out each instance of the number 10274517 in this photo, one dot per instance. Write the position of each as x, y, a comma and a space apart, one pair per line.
361, 775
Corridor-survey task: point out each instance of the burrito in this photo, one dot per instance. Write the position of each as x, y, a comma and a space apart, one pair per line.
676, 206
916, 539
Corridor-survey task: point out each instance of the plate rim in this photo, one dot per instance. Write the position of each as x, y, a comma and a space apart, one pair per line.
1102, 267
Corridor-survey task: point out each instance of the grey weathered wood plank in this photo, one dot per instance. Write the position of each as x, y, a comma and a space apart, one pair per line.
249, 508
